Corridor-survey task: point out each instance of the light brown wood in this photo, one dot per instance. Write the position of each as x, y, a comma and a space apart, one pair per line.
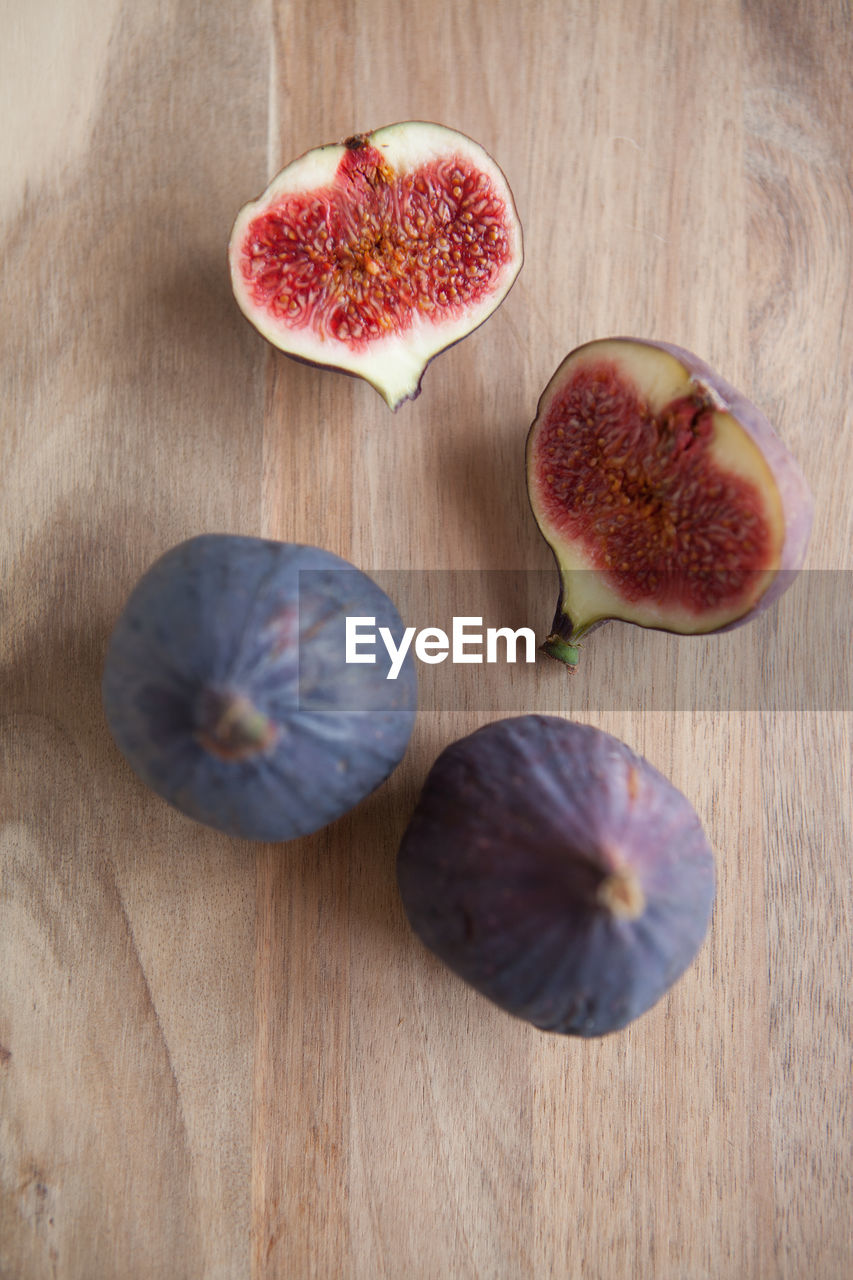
227, 1060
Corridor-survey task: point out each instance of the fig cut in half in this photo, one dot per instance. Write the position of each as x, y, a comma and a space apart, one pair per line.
375, 255
666, 496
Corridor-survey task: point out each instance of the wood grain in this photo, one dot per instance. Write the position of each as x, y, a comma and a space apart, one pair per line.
226, 1060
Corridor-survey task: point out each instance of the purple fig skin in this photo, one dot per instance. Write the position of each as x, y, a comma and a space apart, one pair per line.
558, 873
796, 499
226, 687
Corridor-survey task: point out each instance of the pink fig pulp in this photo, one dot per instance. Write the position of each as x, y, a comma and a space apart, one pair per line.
666, 496
374, 255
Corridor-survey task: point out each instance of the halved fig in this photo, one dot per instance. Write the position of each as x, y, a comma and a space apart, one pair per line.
375, 255
666, 496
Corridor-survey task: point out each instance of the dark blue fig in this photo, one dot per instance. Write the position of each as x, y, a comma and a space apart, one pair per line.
557, 872
227, 689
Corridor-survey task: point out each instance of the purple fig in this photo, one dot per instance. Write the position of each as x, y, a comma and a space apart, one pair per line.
227, 689
374, 255
557, 872
666, 496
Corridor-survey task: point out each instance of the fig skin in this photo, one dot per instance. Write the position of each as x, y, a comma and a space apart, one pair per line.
557, 872
793, 497
364, 308
225, 686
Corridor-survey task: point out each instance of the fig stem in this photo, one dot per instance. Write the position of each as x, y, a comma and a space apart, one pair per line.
622, 894
556, 647
232, 727
562, 643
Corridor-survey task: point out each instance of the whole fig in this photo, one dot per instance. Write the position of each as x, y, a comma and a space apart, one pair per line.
227, 689
557, 872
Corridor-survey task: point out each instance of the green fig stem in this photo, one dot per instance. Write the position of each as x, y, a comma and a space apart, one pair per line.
562, 643
556, 647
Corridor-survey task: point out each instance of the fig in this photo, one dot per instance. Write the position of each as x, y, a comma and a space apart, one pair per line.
557, 872
374, 255
226, 688
667, 498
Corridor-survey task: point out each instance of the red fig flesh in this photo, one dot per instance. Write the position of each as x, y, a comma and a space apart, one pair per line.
666, 496
375, 255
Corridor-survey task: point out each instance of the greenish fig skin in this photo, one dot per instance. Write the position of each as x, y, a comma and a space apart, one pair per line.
558, 873
226, 688
796, 499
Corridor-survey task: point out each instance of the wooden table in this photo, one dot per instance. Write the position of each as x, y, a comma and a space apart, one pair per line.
224, 1060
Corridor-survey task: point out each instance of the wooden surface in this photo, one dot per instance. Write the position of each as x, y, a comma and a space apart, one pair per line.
226, 1060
